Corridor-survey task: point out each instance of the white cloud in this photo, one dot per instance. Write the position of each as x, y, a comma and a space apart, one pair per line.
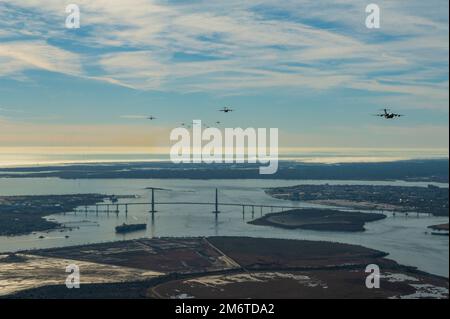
18, 56
257, 44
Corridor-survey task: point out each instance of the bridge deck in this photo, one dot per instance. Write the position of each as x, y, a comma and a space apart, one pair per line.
197, 203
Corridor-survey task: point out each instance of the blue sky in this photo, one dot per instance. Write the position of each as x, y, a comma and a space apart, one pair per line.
310, 68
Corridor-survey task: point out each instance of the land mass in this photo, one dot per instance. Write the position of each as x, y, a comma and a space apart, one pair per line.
441, 227
440, 230
318, 219
412, 170
20, 215
426, 200
214, 267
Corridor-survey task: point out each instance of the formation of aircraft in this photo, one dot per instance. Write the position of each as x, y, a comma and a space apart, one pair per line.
387, 114
224, 110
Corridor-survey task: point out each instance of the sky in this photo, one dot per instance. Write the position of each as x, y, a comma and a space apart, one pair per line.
310, 68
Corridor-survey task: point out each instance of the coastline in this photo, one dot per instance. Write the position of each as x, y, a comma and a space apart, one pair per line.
22, 215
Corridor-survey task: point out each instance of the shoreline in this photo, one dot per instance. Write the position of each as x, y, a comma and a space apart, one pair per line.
24, 215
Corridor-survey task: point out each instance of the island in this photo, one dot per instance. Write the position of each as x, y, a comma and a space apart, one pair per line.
318, 219
441, 229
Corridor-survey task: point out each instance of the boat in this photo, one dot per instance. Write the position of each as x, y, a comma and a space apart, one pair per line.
130, 228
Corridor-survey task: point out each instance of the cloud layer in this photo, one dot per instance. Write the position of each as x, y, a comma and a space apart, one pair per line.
230, 47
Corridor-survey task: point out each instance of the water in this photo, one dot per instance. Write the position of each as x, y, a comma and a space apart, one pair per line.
32, 156
405, 239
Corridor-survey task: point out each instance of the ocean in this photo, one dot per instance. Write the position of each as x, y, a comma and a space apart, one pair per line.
31, 156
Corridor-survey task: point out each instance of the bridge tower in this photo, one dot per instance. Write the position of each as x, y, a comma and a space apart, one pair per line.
216, 205
153, 201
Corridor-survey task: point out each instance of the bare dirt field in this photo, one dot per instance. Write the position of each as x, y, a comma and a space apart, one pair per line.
318, 284
28, 271
261, 253
181, 255
215, 267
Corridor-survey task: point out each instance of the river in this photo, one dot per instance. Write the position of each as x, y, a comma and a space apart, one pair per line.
406, 239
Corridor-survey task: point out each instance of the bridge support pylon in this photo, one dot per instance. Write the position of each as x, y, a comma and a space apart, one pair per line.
153, 202
216, 205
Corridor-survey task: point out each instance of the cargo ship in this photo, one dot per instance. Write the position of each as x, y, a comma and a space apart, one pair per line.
130, 228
